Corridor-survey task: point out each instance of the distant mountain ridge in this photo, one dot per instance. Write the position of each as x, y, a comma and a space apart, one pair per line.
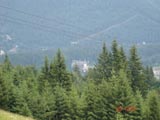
51, 24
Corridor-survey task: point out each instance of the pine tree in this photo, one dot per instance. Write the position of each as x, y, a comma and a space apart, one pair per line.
139, 113
107, 102
116, 62
92, 103
45, 69
123, 59
62, 110
5, 90
103, 67
137, 75
78, 80
4, 93
58, 72
153, 112
44, 75
77, 104
123, 94
47, 102
7, 66
76, 71
19, 104
150, 80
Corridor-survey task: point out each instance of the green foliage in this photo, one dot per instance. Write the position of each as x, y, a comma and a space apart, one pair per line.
123, 94
92, 97
116, 61
19, 104
58, 73
4, 93
76, 104
7, 66
103, 67
54, 93
62, 110
5, 89
153, 109
137, 74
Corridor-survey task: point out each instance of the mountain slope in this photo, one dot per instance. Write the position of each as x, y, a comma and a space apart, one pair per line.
31, 26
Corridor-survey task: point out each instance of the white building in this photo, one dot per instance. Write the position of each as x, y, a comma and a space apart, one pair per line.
2, 52
82, 65
156, 71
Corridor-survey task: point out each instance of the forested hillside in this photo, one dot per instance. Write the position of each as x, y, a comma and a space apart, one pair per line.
119, 87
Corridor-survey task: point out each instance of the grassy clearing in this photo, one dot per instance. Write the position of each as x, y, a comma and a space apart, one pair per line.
10, 116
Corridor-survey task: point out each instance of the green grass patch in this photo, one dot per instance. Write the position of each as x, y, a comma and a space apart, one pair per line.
11, 116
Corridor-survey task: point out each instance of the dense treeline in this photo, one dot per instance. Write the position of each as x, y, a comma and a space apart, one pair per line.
118, 87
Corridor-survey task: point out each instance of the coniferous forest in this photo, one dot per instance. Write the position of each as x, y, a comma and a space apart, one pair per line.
118, 87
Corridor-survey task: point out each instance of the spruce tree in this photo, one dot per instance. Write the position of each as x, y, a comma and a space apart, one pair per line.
137, 75
77, 104
123, 94
103, 67
153, 112
7, 66
19, 104
139, 104
123, 59
61, 108
116, 62
107, 102
4, 93
44, 75
76, 71
150, 80
5, 90
58, 72
92, 102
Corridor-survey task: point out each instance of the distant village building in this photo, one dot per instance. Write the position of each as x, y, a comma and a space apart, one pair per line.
74, 42
14, 49
156, 71
82, 65
8, 37
2, 52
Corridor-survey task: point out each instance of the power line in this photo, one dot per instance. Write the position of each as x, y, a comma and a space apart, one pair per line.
43, 18
34, 27
47, 28
80, 37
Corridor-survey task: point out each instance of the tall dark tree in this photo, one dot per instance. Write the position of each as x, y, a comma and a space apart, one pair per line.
45, 74
139, 113
19, 104
107, 103
61, 110
58, 72
5, 88
4, 91
150, 77
77, 104
123, 93
76, 71
7, 66
116, 62
153, 112
123, 59
103, 67
137, 75
91, 112
45, 68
